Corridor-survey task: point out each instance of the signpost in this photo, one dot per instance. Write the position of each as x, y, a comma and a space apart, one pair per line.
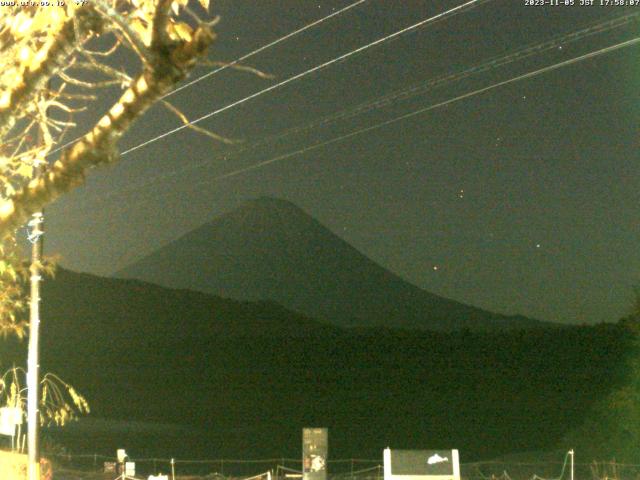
127, 469
315, 447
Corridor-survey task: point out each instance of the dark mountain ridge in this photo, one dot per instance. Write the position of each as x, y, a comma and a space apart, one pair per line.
247, 377
269, 249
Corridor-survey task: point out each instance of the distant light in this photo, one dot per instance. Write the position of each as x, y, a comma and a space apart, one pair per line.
537, 245
435, 267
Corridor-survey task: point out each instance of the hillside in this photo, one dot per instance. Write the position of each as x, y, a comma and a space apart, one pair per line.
269, 249
245, 378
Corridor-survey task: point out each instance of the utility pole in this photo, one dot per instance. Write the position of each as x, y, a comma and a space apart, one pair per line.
33, 377
36, 231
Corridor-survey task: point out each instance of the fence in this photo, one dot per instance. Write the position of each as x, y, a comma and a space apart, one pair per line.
91, 467
280, 468
549, 470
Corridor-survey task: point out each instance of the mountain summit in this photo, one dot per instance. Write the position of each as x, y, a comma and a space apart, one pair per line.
270, 249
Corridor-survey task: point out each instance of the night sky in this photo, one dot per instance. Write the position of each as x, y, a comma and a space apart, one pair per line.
522, 199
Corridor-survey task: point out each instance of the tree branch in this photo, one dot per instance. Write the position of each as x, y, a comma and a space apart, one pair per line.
196, 128
99, 145
130, 34
47, 62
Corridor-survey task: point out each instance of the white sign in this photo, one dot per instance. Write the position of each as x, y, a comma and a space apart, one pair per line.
121, 454
9, 418
158, 477
130, 469
421, 464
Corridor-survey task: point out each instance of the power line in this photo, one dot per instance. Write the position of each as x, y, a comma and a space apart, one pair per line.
426, 109
405, 93
433, 19
414, 113
495, 62
265, 47
241, 59
399, 118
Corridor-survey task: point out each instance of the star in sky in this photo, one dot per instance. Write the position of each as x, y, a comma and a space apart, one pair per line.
514, 172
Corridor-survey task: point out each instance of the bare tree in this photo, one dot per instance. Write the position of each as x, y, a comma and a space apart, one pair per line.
55, 62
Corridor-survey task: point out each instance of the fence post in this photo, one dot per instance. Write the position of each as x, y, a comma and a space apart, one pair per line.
572, 466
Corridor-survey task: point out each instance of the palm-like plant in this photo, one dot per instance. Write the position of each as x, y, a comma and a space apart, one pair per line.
59, 402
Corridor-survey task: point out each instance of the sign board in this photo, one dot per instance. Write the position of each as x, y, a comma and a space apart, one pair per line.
158, 477
315, 448
130, 469
9, 418
421, 465
121, 454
